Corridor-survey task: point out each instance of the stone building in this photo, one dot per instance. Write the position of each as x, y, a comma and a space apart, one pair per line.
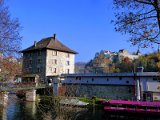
120, 55
125, 54
48, 57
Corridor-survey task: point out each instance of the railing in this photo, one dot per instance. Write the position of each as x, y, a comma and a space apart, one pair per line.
22, 86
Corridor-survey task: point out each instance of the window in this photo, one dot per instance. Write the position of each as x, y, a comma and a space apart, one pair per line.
39, 53
30, 54
38, 70
55, 70
30, 61
68, 63
68, 55
92, 79
127, 81
67, 71
54, 61
54, 53
39, 61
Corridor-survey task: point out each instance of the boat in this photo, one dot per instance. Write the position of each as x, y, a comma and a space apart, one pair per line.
138, 107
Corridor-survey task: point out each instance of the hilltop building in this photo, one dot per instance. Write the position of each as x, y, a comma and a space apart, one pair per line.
48, 57
118, 55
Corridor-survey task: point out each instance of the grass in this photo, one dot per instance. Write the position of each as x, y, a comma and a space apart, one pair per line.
92, 101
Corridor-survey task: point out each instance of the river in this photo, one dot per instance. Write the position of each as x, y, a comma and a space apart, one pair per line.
17, 109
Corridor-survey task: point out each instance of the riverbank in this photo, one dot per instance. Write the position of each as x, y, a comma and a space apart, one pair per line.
49, 109
90, 102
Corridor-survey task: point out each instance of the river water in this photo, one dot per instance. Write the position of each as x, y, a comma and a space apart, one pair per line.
17, 109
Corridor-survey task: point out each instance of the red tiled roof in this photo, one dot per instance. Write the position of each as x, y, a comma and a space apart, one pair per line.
49, 43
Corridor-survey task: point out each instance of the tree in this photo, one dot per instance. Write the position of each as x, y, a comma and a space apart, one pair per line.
9, 68
10, 38
150, 62
140, 19
100, 64
126, 65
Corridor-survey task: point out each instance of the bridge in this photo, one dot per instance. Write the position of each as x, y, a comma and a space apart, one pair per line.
20, 86
28, 88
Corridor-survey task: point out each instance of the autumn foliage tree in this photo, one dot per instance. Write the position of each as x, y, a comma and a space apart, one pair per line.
140, 19
10, 67
150, 62
100, 64
126, 65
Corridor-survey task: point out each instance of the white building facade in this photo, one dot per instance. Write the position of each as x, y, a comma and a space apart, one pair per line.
127, 86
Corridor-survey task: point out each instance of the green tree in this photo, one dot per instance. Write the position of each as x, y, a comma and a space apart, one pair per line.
150, 62
126, 65
140, 19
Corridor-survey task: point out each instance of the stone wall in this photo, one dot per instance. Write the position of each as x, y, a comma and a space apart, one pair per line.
102, 91
34, 62
31, 95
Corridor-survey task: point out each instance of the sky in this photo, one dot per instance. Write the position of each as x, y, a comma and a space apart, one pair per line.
82, 25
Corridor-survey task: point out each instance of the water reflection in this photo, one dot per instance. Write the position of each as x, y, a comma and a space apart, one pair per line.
22, 110
3, 113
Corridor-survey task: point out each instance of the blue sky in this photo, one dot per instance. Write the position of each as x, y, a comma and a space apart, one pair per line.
83, 25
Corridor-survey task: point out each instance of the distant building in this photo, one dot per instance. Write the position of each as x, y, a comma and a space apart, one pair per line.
108, 54
125, 54
118, 55
48, 57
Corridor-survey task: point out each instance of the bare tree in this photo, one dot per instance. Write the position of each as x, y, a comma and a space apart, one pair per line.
140, 19
10, 38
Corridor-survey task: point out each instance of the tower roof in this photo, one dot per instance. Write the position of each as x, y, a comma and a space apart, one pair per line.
49, 43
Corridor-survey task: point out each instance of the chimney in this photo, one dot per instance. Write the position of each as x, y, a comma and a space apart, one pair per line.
35, 43
54, 37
